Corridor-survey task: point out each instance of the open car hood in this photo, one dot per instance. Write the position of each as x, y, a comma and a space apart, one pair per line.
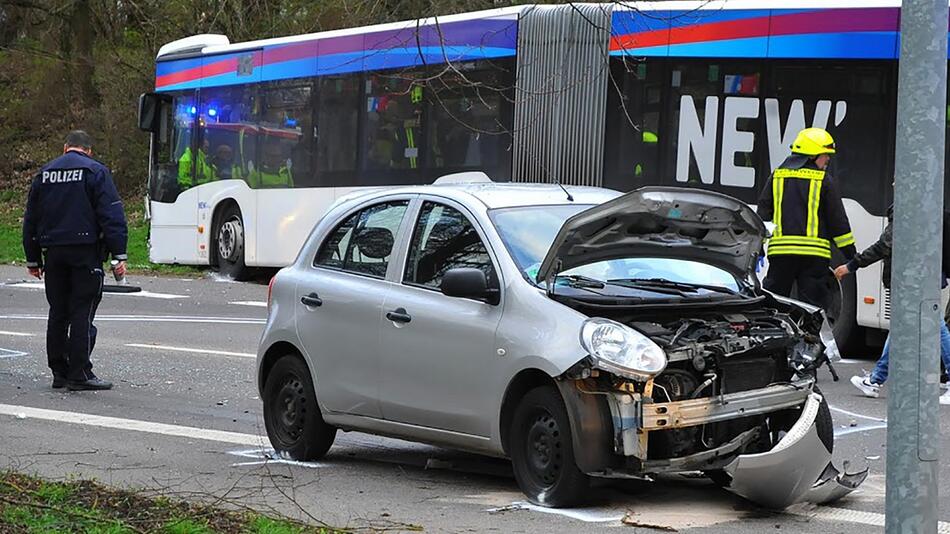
662, 222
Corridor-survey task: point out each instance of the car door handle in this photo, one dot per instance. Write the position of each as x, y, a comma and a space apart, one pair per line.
399, 315
313, 300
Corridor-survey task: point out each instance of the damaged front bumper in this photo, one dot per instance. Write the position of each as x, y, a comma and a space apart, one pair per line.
798, 468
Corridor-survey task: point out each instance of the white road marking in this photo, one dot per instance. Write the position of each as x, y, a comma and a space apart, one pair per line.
874, 519
6, 354
869, 363
196, 351
269, 456
148, 294
840, 432
153, 318
255, 303
19, 334
587, 515
134, 425
860, 416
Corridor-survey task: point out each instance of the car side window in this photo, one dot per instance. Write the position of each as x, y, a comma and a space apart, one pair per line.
445, 239
363, 242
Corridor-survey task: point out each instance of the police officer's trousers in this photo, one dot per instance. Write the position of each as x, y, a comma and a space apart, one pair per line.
73, 289
808, 273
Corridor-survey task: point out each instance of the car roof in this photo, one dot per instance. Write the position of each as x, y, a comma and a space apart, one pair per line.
494, 195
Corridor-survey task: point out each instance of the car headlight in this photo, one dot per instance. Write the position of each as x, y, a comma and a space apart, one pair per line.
622, 350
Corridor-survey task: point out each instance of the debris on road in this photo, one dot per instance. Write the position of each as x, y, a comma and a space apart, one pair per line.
631, 520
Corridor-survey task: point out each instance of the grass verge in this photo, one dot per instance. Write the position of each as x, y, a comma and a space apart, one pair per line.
33, 506
11, 241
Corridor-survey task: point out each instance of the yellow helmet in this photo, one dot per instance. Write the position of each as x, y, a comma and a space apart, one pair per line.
813, 141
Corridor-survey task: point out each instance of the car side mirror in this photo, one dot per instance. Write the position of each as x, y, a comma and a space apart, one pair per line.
468, 282
150, 111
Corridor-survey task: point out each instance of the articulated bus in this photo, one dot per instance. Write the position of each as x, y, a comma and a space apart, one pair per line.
252, 142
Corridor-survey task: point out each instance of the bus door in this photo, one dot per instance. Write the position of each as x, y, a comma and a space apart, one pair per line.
226, 145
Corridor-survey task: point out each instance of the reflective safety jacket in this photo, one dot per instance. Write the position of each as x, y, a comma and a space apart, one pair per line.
804, 204
203, 170
259, 179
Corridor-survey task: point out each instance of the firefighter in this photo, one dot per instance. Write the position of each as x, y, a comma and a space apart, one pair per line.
803, 202
73, 212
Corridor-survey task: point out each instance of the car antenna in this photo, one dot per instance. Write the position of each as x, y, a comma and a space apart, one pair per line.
558, 182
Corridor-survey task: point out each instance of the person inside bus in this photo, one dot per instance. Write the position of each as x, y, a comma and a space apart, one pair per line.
802, 200
274, 169
223, 164
870, 384
204, 173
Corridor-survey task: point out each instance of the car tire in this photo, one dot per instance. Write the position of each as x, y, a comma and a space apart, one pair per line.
230, 244
292, 416
542, 451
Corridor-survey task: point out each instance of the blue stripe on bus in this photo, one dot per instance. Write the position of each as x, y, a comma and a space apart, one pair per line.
740, 48
858, 45
350, 62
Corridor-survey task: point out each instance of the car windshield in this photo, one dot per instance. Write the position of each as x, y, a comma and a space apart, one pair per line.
528, 232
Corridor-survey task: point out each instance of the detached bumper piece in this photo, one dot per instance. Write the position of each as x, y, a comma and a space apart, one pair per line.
797, 469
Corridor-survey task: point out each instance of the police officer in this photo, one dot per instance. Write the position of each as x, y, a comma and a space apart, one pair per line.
803, 202
72, 213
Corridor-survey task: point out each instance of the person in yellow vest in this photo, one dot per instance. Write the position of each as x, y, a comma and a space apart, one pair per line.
224, 166
273, 171
803, 202
204, 172
650, 140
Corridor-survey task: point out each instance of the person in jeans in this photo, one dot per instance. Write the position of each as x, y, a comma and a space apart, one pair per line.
870, 385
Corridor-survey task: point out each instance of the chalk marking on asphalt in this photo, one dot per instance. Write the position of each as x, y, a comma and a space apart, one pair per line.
18, 334
255, 303
587, 515
196, 351
152, 318
853, 361
269, 456
840, 432
149, 294
874, 519
6, 354
134, 425
858, 415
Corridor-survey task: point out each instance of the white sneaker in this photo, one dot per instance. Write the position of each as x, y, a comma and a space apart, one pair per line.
945, 399
870, 389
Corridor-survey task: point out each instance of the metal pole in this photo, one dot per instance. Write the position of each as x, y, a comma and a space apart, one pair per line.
912, 410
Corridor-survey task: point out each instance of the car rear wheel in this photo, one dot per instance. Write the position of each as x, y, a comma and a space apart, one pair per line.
542, 451
230, 242
291, 413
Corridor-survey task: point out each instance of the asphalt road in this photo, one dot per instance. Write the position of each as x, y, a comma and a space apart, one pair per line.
185, 420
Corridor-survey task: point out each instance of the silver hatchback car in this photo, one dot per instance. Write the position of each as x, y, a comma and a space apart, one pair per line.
579, 332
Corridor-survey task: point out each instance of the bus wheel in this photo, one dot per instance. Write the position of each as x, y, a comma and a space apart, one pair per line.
229, 234
842, 314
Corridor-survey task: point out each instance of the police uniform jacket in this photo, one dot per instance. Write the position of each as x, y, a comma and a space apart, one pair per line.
804, 204
73, 201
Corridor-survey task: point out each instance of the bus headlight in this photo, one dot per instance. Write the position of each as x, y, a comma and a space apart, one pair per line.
619, 349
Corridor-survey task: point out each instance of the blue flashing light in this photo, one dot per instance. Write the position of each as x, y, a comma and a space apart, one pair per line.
212, 112
193, 110
291, 123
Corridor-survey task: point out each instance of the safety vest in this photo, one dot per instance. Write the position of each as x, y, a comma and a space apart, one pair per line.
799, 231
203, 171
258, 179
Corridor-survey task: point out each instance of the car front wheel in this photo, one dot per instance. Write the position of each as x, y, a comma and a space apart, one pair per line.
291, 413
542, 451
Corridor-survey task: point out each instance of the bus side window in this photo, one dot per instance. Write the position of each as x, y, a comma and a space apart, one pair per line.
286, 137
